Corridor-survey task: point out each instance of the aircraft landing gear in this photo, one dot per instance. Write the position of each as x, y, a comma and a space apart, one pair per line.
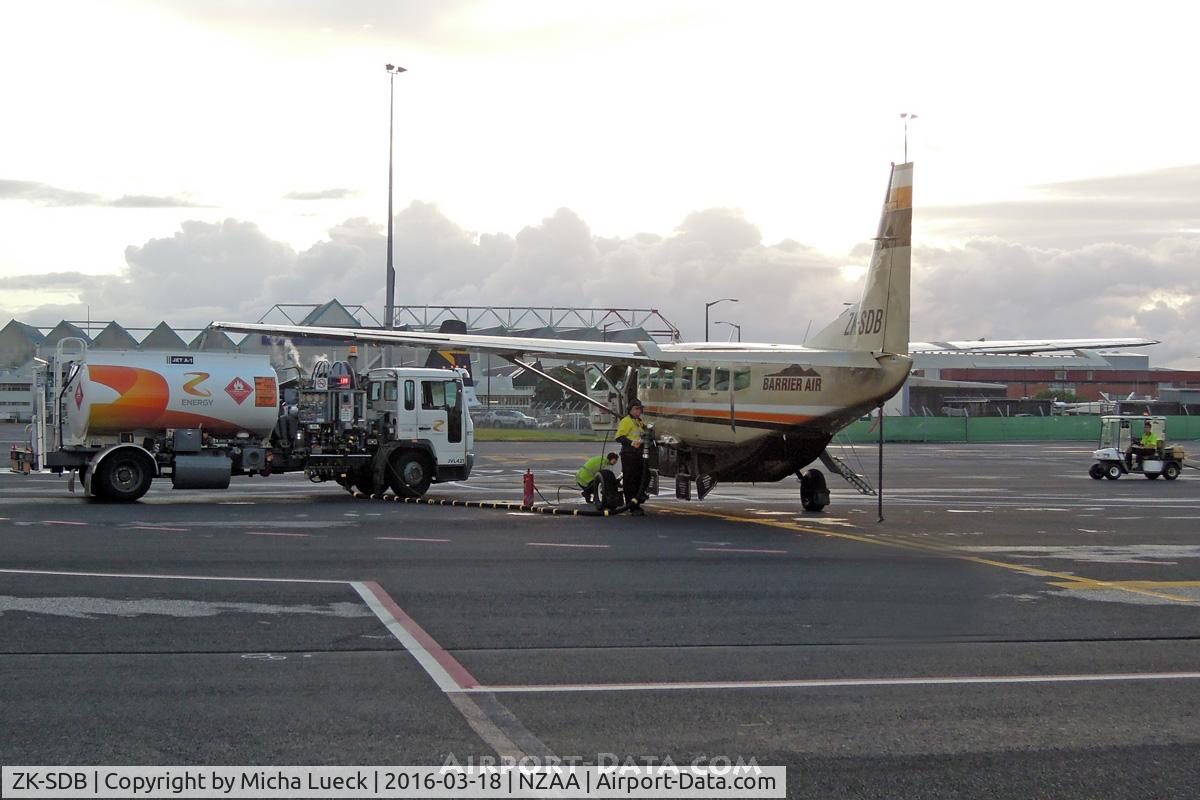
814, 493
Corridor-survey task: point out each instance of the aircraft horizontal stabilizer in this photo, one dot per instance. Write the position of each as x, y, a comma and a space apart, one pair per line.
1026, 346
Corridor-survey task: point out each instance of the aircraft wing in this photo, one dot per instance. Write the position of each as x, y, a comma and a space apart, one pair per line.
505, 346
1025, 346
529, 348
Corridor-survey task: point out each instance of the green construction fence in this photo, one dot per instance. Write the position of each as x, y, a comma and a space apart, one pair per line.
999, 429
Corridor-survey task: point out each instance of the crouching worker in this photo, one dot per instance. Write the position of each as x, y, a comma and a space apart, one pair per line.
588, 476
629, 433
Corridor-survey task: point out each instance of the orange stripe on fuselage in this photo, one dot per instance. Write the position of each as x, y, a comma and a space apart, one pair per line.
751, 416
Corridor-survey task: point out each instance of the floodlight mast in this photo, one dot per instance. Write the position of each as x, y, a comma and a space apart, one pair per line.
389, 320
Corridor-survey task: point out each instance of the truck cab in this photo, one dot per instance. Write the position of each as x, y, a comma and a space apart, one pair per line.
424, 411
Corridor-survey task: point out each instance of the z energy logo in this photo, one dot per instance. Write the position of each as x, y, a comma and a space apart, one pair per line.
193, 386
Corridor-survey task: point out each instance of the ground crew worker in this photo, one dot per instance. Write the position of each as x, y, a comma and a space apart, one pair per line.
588, 476
630, 433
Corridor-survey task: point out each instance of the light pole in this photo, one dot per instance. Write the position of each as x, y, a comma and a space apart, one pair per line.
906, 117
390, 312
709, 305
732, 325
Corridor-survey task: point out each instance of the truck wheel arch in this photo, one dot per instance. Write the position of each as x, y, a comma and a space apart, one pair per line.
383, 466
102, 479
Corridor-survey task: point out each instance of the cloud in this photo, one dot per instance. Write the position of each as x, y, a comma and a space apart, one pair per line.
987, 286
152, 201
1138, 208
321, 194
46, 195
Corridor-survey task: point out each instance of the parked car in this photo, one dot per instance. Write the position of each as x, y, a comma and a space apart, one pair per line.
504, 418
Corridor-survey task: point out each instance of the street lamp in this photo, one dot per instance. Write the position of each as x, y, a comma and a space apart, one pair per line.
906, 117
732, 325
709, 305
390, 312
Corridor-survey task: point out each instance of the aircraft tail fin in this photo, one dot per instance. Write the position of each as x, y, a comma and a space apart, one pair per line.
455, 358
879, 322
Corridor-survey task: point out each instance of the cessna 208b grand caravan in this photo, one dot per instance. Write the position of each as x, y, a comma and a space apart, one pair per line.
734, 412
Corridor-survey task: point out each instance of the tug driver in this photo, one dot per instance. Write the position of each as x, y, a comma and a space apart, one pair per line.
1148, 446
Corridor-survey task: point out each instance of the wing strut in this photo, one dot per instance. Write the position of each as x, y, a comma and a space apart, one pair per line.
564, 386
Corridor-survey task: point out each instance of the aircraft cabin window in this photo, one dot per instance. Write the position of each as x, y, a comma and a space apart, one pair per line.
668, 379
703, 377
721, 380
654, 377
741, 379
686, 378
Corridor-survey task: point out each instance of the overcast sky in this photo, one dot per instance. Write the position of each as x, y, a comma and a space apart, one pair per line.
200, 160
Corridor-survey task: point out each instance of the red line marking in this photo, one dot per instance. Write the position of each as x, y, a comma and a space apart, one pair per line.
61, 522
448, 662
739, 550
409, 539
562, 544
272, 533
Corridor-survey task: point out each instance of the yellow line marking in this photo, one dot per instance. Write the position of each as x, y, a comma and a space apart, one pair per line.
1142, 584
1076, 581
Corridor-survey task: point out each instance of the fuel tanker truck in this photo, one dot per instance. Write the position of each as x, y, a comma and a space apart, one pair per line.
119, 419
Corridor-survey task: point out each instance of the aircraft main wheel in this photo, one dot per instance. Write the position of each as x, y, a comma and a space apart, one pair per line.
1096, 472
1171, 471
409, 473
814, 493
123, 477
1112, 472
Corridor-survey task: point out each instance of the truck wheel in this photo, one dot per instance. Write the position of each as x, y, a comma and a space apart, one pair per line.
1171, 471
364, 481
409, 473
1112, 472
1096, 472
123, 477
1151, 475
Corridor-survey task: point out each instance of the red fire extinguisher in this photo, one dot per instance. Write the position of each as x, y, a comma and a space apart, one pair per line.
527, 499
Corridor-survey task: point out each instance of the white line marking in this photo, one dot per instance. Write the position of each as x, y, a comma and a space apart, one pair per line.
61, 522
737, 550
272, 533
409, 640
409, 539
165, 577
561, 544
154, 528
836, 683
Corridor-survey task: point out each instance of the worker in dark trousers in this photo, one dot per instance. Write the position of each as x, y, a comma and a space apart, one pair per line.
588, 477
630, 433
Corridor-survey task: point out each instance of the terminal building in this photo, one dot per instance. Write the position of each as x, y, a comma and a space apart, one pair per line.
942, 384
497, 382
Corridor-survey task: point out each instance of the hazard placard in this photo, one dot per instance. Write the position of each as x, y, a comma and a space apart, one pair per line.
265, 395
